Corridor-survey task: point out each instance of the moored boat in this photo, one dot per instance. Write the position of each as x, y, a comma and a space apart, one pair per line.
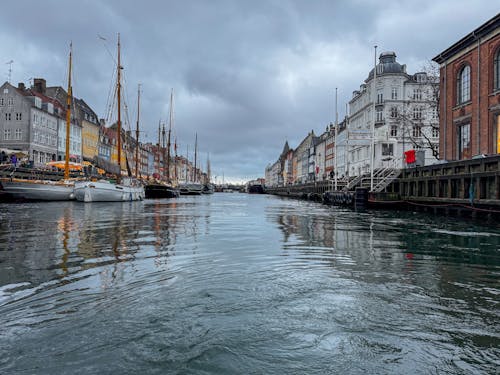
208, 189
44, 189
124, 188
40, 190
159, 190
107, 191
190, 188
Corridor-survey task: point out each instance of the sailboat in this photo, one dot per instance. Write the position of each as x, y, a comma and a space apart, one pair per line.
208, 187
193, 187
44, 189
161, 189
124, 188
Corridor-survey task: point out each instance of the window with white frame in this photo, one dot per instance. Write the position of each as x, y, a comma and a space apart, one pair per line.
464, 149
463, 85
10, 101
394, 112
394, 93
6, 134
19, 116
496, 71
417, 131
417, 94
380, 97
19, 134
1, 102
387, 149
394, 130
417, 113
435, 132
379, 115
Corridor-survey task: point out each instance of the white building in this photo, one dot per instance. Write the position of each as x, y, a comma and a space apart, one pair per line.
402, 111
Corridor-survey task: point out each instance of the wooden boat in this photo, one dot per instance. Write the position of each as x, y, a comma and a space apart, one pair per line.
163, 188
44, 189
190, 188
122, 189
160, 190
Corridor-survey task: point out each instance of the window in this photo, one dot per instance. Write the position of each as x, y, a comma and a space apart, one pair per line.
435, 132
394, 112
379, 115
417, 94
464, 141
10, 101
496, 71
1, 102
387, 149
394, 130
417, 131
8, 117
463, 85
380, 98
394, 93
6, 134
19, 134
417, 113
434, 113
19, 116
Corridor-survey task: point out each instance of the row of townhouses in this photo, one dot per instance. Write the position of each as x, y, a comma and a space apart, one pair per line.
33, 122
397, 120
398, 108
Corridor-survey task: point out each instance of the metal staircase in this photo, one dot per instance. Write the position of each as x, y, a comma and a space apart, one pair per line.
382, 177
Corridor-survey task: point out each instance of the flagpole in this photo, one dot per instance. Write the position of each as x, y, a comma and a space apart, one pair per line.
336, 138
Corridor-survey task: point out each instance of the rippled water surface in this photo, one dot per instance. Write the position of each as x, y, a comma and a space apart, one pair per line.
244, 284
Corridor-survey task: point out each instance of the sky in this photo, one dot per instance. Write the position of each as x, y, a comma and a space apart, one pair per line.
247, 75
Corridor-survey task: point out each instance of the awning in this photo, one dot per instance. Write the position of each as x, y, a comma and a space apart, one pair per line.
18, 153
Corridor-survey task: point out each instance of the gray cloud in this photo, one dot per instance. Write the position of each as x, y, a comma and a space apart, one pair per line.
247, 75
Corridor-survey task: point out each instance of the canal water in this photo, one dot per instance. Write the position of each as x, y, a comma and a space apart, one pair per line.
244, 284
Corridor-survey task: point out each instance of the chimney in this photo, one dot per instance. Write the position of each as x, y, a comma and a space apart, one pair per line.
40, 85
21, 86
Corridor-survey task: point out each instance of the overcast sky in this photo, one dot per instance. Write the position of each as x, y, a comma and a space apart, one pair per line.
247, 75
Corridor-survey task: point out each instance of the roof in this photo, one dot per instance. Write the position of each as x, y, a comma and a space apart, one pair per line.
466, 41
387, 65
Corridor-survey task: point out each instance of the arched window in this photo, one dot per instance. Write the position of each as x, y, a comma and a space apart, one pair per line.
496, 71
463, 85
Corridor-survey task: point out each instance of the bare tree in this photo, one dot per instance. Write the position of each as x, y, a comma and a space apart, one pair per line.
419, 117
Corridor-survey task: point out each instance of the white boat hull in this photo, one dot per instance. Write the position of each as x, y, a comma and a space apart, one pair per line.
39, 190
190, 189
105, 191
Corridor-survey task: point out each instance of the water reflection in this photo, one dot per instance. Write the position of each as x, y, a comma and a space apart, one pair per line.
238, 283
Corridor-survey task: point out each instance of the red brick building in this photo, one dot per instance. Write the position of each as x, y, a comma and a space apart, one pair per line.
470, 94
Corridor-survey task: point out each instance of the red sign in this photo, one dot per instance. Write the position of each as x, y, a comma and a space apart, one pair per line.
317, 169
410, 156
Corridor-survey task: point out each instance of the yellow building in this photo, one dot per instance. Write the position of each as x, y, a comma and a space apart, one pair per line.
90, 140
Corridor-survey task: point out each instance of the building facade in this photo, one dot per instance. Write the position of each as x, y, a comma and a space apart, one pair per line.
399, 109
470, 94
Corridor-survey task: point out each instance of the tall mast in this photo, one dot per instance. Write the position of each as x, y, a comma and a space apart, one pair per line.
68, 115
163, 150
169, 133
159, 140
137, 132
176, 176
208, 169
119, 124
195, 151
